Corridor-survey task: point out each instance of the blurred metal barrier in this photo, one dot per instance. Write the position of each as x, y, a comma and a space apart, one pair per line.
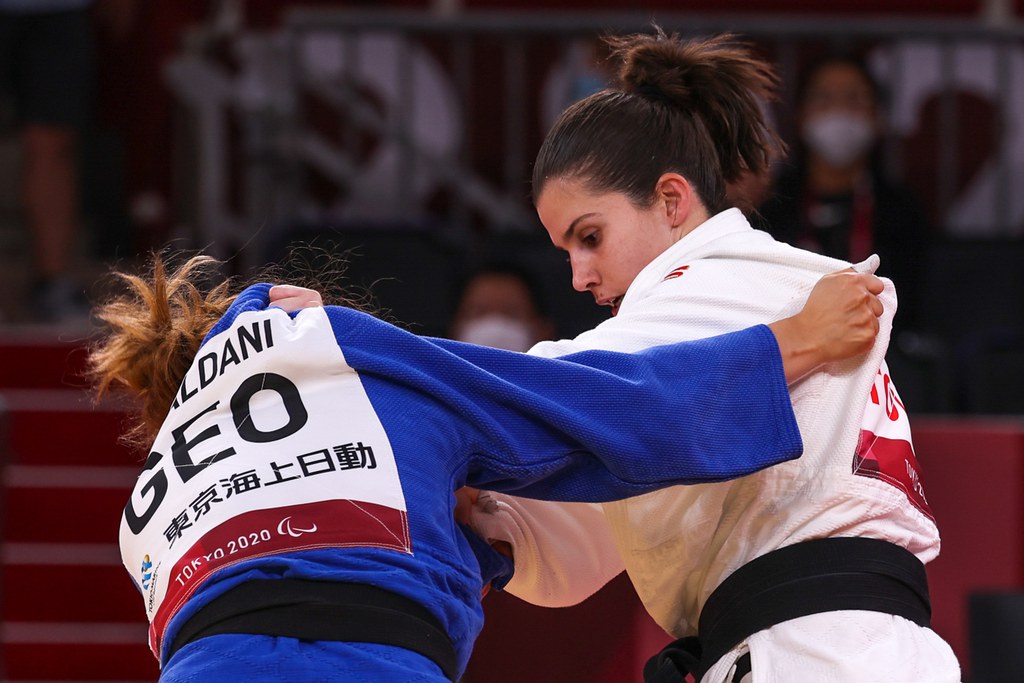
372, 116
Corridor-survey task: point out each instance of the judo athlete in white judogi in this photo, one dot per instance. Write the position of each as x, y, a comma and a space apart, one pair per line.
809, 571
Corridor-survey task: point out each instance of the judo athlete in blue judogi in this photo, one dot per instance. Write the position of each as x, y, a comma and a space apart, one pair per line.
294, 518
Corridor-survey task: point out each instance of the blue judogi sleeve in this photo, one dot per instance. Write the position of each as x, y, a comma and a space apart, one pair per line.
591, 426
693, 412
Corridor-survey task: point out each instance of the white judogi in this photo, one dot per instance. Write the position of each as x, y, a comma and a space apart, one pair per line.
857, 477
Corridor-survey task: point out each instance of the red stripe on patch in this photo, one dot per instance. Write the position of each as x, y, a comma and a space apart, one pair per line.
325, 524
892, 461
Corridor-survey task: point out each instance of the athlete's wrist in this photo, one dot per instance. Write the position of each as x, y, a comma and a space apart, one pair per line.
799, 348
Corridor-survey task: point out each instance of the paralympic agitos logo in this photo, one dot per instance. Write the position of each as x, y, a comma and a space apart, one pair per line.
285, 528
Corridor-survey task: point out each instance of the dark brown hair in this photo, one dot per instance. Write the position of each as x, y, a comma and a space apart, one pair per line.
690, 107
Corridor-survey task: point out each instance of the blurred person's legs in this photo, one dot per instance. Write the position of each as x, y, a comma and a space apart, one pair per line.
50, 196
50, 65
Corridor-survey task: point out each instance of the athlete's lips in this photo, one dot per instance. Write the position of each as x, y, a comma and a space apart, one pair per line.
614, 302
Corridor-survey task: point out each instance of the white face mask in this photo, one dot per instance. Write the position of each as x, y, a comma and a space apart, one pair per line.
839, 137
497, 331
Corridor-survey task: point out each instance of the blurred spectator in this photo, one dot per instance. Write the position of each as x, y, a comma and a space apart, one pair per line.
47, 57
837, 199
500, 306
580, 71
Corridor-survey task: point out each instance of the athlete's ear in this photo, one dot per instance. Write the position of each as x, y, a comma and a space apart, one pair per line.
674, 193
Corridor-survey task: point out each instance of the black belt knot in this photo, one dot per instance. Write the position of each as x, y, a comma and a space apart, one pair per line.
823, 575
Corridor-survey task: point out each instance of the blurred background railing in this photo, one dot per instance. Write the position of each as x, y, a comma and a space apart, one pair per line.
408, 130
411, 116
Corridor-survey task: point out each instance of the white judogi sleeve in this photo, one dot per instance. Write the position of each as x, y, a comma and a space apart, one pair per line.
564, 551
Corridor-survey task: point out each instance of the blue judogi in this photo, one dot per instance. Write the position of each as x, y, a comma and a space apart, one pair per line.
326, 445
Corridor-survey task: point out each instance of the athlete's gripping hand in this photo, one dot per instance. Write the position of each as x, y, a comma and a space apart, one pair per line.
292, 298
467, 498
839, 320
842, 313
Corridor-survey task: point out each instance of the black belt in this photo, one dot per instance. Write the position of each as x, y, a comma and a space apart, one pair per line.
322, 610
823, 575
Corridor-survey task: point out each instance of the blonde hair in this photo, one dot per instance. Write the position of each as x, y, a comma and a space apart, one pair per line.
153, 330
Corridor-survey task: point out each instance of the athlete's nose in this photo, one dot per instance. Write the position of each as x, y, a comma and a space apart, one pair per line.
583, 276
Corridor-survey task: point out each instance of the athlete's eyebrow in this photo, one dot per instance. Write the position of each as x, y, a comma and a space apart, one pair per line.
567, 235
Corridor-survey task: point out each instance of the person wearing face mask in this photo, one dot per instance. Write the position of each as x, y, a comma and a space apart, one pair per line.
837, 199
500, 306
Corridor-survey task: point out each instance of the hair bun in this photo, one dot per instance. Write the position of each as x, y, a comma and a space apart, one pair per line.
661, 67
717, 80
